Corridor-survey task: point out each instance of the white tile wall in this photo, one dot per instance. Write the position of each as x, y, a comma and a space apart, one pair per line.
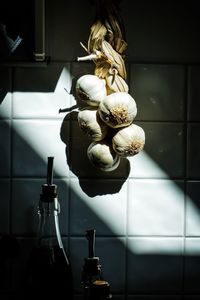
154, 265
146, 212
164, 151
105, 209
5, 205
193, 94
158, 91
192, 223
192, 261
193, 170
5, 148
33, 142
5, 92
155, 213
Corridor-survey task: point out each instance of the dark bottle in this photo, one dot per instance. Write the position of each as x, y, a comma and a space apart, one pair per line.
49, 270
95, 287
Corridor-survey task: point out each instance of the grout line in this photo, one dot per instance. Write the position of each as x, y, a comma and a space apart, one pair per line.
126, 244
186, 118
11, 151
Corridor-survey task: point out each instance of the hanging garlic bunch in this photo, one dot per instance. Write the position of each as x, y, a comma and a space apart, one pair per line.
118, 109
91, 89
91, 124
109, 106
102, 156
129, 141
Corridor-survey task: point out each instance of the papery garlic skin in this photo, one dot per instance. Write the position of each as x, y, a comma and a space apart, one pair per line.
115, 83
91, 124
102, 156
118, 109
129, 141
91, 89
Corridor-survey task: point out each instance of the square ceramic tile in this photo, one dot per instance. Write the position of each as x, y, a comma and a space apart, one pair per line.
43, 92
79, 69
79, 163
5, 92
192, 261
193, 156
158, 91
5, 148
104, 210
105, 249
163, 153
63, 33
154, 265
44, 79
26, 195
33, 142
156, 32
5, 206
194, 94
192, 209
155, 207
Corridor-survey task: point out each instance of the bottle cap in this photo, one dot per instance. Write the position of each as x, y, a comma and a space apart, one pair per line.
100, 289
49, 192
92, 266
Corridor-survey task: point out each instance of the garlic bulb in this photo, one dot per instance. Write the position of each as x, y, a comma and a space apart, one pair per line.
102, 156
91, 124
118, 109
91, 89
129, 141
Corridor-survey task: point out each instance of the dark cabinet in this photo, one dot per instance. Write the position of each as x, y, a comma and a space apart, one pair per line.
22, 30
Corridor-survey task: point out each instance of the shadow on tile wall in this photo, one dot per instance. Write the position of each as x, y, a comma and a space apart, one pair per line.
170, 269
80, 165
137, 273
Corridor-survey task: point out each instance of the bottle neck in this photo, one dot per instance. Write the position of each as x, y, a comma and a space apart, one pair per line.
49, 231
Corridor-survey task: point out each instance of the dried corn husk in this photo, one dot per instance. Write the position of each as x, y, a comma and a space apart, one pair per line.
115, 83
115, 58
97, 35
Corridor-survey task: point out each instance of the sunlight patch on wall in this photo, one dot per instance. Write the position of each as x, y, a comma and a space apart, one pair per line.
46, 142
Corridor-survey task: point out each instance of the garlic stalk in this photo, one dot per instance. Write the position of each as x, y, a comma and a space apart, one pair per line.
115, 83
129, 141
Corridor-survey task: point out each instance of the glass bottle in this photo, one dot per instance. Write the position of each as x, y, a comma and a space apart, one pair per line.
49, 270
94, 285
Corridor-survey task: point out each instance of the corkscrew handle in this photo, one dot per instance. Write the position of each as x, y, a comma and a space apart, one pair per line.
50, 170
90, 235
